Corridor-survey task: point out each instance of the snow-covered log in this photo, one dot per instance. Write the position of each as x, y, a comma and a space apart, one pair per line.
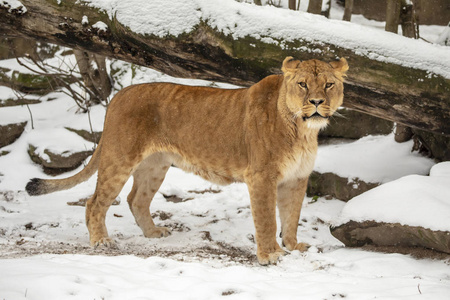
392, 77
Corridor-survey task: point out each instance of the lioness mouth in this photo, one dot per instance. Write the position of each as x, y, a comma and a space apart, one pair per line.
314, 115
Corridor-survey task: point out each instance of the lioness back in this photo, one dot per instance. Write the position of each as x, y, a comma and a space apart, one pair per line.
181, 120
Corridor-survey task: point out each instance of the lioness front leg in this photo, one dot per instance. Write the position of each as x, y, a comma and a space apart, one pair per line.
290, 200
263, 204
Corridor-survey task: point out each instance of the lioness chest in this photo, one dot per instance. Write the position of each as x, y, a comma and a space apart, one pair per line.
300, 165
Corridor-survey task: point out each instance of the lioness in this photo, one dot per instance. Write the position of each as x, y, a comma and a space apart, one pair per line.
265, 136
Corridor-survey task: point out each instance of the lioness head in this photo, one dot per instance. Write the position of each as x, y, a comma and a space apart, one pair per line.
314, 89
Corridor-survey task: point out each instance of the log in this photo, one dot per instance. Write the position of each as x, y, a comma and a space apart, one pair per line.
397, 93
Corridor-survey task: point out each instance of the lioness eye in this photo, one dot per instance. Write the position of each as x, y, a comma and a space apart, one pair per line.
302, 84
329, 84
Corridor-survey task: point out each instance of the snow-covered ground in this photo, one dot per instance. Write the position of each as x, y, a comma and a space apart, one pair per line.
210, 254
44, 252
341, 274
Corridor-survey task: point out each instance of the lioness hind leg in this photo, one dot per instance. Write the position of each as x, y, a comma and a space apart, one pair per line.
147, 180
108, 187
290, 199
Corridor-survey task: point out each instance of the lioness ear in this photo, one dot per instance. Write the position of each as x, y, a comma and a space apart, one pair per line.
290, 64
340, 65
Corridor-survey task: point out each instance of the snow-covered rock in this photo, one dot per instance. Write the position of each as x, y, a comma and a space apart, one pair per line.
413, 200
411, 211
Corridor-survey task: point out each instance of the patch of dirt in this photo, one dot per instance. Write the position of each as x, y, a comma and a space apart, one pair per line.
162, 215
217, 251
229, 292
227, 253
175, 226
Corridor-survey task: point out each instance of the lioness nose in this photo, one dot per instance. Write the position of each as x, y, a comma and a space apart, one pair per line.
316, 102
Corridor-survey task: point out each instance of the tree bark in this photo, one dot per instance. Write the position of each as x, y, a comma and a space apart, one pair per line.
17, 47
315, 7
326, 12
348, 10
393, 92
392, 15
95, 78
404, 133
292, 4
408, 20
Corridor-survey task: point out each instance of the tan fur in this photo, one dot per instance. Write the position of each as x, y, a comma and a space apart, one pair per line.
265, 136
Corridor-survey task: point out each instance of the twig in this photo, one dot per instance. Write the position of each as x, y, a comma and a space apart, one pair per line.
31, 116
90, 126
63, 77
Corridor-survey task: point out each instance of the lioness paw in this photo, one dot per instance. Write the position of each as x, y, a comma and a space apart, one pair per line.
272, 258
106, 242
302, 247
293, 245
158, 232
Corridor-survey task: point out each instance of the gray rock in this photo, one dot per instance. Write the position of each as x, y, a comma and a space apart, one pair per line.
355, 125
432, 145
16, 102
329, 184
10, 133
93, 137
391, 235
58, 163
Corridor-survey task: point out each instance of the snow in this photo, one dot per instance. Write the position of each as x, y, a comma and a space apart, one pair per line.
85, 20
7, 93
12, 64
101, 26
444, 37
211, 252
162, 18
13, 6
411, 200
377, 159
58, 141
310, 276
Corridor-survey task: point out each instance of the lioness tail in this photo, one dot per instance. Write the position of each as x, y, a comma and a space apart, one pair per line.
38, 186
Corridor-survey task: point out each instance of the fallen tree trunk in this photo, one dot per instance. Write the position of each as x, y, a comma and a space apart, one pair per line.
397, 93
